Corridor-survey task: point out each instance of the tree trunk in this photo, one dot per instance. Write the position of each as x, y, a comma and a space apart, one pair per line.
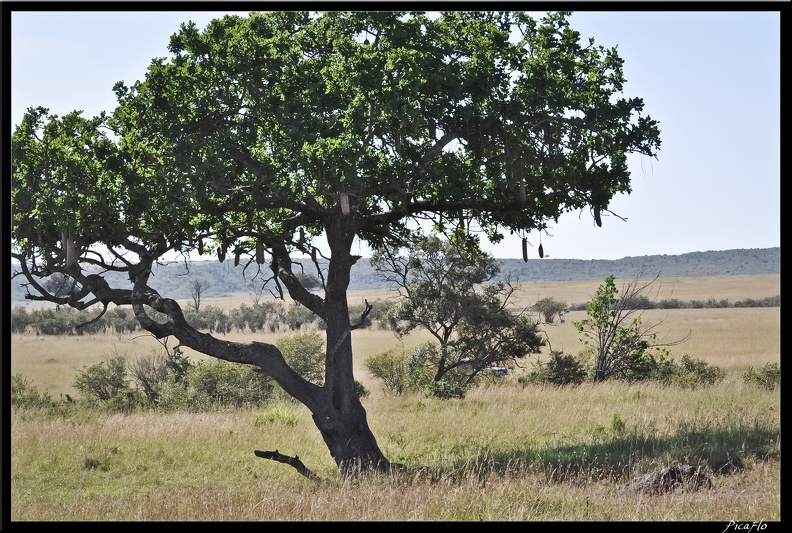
335, 406
339, 414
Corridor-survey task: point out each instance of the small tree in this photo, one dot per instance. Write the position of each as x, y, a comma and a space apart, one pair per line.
197, 288
615, 335
448, 291
549, 308
390, 368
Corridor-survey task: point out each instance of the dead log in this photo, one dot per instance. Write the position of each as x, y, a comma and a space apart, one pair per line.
292, 461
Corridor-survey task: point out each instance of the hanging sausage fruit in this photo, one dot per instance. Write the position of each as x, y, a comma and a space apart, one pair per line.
345, 204
259, 252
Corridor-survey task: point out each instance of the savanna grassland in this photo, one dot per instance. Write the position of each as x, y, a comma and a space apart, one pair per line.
504, 452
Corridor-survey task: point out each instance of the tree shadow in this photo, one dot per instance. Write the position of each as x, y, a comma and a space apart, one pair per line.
618, 457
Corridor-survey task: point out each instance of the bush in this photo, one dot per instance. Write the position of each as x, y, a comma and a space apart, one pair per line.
560, 369
692, 373
768, 377
103, 380
421, 365
20, 320
298, 316
304, 352
25, 395
361, 389
217, 383
150, 372
549, 308
643, 365
390, 368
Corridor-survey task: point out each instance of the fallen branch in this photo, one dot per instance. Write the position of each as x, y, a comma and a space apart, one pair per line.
292, 461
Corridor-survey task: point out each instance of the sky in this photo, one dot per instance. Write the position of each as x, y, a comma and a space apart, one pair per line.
711, 78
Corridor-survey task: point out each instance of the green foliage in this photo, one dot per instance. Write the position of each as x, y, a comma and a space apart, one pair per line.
304, 352
692, 373
104, 380
214, 384
550, 307
210, 318
366, 110
390, 367
447, 290
25, 395
360, 390
298, 316
421, 365
560, 369
768, 377
617, 424
256, 317
20, 320
616, 339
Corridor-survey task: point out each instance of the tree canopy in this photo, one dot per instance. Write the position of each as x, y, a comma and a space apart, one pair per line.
261, 134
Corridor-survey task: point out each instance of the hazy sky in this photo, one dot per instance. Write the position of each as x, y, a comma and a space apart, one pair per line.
711, 79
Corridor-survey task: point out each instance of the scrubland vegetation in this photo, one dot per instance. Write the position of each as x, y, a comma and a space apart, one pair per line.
510, 450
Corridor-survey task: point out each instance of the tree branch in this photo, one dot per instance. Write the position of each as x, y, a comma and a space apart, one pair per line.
291, 461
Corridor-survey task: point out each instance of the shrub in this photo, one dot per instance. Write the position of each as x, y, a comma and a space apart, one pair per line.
768, 377
390, 368
618, 425
217, 383
20, 320
560, 369
692, 373
444, 390
25, 395
103, 380
304, 352
299, 316
150, 372
361, 389
421, 365
643, 365
549, 308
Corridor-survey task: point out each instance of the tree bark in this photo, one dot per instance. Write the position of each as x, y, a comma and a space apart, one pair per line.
339, 414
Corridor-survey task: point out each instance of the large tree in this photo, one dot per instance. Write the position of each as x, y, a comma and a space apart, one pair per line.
262, 134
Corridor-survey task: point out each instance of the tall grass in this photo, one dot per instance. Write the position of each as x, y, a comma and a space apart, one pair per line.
505, 452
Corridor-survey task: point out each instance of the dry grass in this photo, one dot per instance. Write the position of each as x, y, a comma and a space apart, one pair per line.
503, 453
726, 337
734, 338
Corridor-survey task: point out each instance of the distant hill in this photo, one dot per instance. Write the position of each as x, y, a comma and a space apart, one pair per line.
174, 280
